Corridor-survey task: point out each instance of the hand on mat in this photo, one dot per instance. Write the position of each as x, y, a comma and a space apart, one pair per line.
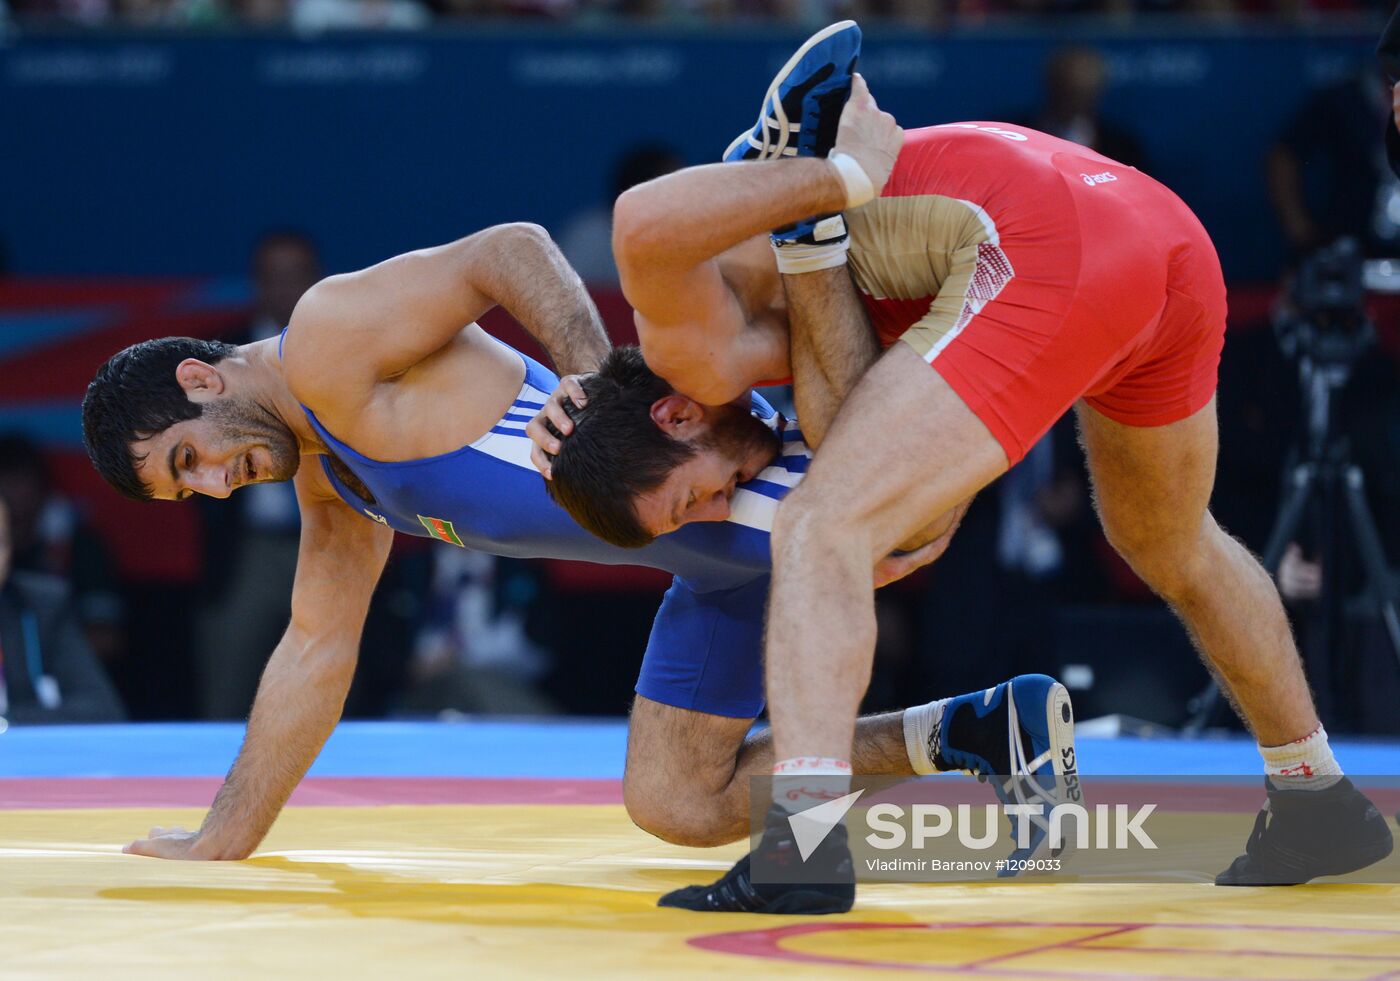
553, 414
173, 843
869, 134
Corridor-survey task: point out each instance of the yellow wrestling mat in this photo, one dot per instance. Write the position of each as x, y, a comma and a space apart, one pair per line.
452, 891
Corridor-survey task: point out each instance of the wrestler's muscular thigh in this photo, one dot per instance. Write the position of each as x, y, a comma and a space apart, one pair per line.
1152, 488
904, 450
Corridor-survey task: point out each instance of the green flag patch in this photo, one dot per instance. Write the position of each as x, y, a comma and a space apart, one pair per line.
442, 530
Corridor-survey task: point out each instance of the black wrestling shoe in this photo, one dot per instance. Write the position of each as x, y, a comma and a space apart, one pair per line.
1302, 834
826, 877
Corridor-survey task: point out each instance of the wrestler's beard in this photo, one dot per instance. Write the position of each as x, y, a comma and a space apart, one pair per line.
742, 438
244, 424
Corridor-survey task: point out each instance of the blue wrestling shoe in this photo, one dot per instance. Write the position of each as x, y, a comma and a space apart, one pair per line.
803, 105
1027, 750
800, 116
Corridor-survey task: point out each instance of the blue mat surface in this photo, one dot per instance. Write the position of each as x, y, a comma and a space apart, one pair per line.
555, 748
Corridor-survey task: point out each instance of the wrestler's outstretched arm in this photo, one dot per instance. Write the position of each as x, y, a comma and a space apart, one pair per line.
304, 685
381, 321
669, 232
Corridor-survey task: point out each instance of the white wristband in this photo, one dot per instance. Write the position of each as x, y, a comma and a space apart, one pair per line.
859, 190
795, 258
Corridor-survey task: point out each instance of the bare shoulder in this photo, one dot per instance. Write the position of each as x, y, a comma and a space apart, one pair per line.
354, 330
323, 349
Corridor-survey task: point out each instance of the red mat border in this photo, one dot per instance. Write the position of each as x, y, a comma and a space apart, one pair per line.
57, 793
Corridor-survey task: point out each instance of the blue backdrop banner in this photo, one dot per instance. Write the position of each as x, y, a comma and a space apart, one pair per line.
169, 155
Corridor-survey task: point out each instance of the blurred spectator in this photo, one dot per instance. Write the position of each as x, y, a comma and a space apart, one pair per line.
89, 12
1388, 51
1075, 78
396, 612
1299, 578
554, 9
1259, 405
1328, 174
48, 674
472, 653
315, 15
251, 542
1042, 496
168, 13
928, 14
586, 238
322, 15
263, 13
48, 536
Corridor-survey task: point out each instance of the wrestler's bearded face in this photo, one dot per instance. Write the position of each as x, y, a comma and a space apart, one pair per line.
233, 443
732, 447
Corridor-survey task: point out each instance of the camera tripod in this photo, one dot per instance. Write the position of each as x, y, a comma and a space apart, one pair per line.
1322, 470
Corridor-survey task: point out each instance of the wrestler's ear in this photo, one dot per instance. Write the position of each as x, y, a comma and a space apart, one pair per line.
200, 381
677, 416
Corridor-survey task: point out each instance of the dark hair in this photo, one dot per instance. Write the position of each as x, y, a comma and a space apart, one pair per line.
135, 396
616, 451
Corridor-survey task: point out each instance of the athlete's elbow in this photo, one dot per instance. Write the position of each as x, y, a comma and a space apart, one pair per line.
522, 235
694, 373
635, 224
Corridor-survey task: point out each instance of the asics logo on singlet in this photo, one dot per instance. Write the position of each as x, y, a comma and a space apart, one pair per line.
376, 517
1104, 178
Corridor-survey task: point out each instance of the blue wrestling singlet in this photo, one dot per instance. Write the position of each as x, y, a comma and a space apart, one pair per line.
705, 651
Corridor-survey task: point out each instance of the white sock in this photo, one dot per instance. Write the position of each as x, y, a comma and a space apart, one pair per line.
1304, 764
806, 781
920, 723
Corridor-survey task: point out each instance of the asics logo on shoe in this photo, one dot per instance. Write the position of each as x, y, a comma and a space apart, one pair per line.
1071, 775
